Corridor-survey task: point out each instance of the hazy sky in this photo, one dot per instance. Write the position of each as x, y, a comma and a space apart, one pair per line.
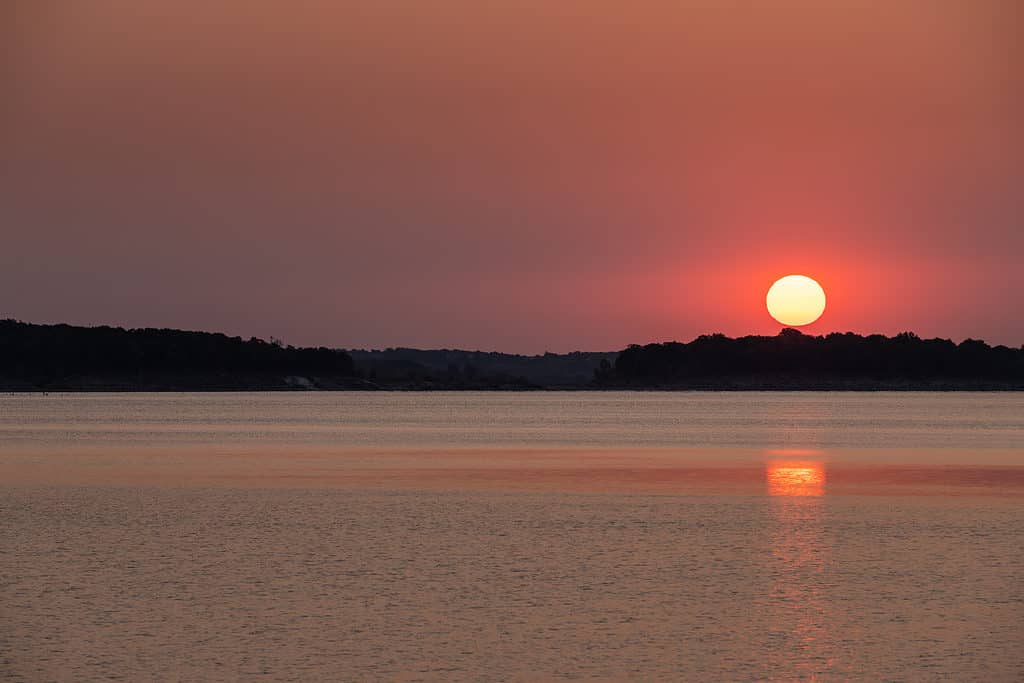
519, 175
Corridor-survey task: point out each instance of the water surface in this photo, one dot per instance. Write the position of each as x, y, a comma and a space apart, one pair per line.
528, 537
760, 420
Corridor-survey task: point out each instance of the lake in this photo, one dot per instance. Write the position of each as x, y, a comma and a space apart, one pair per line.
512, 536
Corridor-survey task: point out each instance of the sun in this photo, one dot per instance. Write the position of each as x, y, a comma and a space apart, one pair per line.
796, 300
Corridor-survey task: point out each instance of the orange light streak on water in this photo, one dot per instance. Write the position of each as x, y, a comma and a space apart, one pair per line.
795, 478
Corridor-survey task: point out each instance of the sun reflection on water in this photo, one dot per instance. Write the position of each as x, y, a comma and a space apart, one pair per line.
796, 478
799, 566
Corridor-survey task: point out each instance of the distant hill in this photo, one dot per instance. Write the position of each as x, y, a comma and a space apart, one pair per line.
793, 360
63, 357
479, 369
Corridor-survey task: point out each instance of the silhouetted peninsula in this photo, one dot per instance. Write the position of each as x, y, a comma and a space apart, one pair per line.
67, 358
793, 360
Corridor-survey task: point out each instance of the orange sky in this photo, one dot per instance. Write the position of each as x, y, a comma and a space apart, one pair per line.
515, 176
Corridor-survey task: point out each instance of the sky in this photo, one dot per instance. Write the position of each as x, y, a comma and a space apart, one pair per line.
521, 176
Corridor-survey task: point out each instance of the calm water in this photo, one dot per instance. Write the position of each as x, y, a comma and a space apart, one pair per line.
759, 420
497, 536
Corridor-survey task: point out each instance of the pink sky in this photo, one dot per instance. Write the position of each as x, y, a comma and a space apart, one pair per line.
516, 176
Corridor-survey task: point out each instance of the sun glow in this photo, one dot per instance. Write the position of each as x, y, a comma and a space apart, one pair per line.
796, 300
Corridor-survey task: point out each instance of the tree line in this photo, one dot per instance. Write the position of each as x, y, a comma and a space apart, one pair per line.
104, 358
795, 358
56, 355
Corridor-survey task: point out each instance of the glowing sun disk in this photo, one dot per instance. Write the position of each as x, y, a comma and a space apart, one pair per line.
796, 300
